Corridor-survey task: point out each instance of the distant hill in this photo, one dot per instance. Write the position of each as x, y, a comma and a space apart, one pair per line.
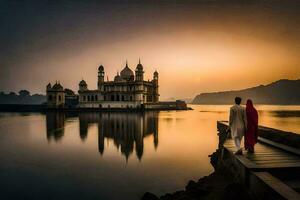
282, 92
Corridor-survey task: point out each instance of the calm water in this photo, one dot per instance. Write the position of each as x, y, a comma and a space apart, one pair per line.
116, 155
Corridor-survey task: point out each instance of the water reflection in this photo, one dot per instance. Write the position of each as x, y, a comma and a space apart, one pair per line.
55, 123
66, 149
127, 130
286, 114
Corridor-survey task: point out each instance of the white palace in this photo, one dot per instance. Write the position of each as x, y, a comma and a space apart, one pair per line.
127, 90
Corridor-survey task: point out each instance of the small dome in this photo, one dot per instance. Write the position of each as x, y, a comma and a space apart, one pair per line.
155, 73
127, 73
57, 86
118, 78
139, 66
82, 83
49, 86
101, 68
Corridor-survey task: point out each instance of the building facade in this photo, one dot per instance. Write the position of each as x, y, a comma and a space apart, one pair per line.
55, 95
127, 90
58, 97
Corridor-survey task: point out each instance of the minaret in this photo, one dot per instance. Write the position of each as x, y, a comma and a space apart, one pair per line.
155, 77
139, 73
100, 76
155, 84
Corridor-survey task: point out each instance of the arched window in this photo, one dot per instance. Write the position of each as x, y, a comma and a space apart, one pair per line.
104, 97
92, 98
83, 98
112, 97
96, 97
123, 98
89, 98
50, 97
118, 97
130, 98
59, 98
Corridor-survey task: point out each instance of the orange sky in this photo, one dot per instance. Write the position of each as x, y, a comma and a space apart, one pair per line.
195, 48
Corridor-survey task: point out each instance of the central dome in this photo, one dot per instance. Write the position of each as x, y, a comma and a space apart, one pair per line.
127, 73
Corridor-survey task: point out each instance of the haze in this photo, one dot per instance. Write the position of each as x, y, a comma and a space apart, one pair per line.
195, 47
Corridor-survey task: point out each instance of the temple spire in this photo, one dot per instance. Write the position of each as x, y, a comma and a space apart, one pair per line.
139, 60
126, 63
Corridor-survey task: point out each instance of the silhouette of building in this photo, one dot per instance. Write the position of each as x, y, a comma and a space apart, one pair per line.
58, 97
127, 90
55, 95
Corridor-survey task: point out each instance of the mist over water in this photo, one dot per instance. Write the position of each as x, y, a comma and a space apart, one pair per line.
114, 155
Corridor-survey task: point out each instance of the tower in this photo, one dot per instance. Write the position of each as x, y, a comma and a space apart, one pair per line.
139, 73
100, 76
155, 85
155, 77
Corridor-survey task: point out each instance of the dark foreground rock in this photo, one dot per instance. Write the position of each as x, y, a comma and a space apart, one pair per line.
218, 186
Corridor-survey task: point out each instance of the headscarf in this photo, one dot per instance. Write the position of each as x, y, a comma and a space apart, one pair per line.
252, 116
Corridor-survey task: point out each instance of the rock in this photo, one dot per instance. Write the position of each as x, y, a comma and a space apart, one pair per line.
235, 191
218, 186
149, 196
197, 189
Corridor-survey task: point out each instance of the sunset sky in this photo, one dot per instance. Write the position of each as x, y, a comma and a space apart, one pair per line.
196, 46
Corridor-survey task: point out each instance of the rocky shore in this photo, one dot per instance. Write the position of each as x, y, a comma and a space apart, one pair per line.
219, 185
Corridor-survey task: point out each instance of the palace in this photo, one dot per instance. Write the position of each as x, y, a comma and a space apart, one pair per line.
127, 90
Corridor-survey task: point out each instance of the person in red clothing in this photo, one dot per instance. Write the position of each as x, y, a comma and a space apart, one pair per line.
252, 127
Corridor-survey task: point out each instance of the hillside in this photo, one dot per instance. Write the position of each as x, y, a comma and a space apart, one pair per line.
282, 92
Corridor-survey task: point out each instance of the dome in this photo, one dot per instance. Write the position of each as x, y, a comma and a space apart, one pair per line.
101, 68
49, 86
118, 78
57, 86
155, 73
127, 73
139, 67
82, 83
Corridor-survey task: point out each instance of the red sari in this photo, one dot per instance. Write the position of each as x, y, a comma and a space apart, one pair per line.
252, 126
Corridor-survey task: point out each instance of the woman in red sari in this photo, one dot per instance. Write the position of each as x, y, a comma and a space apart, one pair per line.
252, 127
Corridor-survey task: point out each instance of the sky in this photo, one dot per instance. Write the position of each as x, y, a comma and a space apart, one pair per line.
196, 46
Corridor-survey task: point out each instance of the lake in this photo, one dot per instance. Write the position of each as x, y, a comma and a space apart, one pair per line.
114, 155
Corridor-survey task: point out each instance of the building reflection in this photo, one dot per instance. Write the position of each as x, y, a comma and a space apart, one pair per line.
55, 123
127, 130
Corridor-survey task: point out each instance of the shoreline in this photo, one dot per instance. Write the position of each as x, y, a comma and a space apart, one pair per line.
219, 185
44, 108
255, 176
